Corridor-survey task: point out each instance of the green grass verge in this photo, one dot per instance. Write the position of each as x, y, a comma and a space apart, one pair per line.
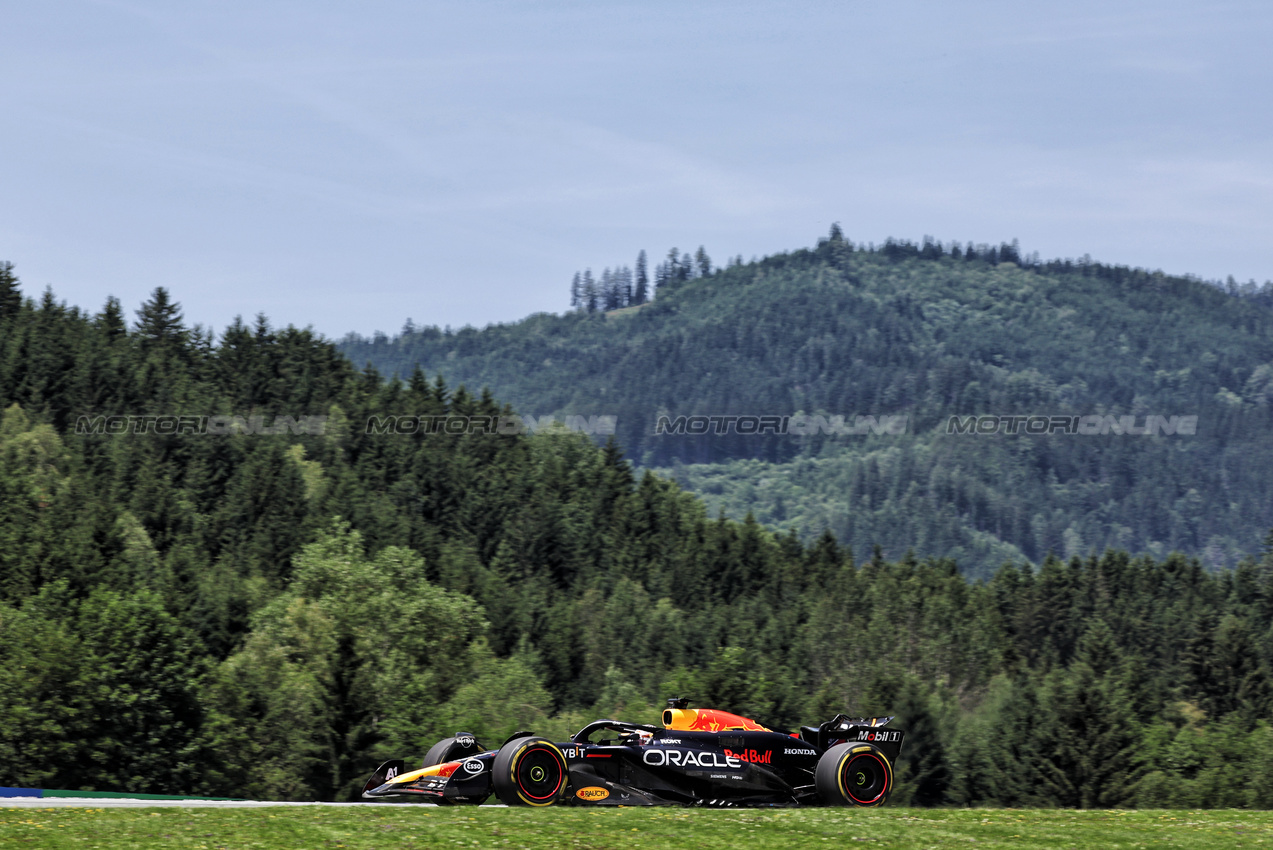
385, 828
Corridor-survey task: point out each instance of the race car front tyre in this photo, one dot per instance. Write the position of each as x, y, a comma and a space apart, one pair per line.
451, 749
529, 772
854, 775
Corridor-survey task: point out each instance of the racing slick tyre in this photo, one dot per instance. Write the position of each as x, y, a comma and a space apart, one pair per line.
854, 775
529, 772
453, 749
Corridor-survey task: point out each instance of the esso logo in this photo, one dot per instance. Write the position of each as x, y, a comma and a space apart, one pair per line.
472, 766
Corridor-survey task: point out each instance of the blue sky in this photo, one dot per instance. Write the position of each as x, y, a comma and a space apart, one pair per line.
348, 166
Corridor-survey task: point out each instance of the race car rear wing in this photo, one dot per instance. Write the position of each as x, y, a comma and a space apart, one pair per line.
841, 729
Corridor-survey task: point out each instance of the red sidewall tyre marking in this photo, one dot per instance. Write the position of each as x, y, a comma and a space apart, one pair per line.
529, 796
881, 766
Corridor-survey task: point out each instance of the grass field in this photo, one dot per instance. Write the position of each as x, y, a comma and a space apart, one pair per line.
650, 829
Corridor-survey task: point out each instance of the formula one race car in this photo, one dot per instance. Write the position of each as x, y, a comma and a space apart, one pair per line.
698, 757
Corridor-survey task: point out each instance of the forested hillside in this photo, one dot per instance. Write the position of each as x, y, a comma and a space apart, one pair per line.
271, 614
929, 333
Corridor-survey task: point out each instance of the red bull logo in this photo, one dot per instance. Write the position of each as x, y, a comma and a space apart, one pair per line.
752, 756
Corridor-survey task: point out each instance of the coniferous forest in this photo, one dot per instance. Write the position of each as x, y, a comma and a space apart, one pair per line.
271, 614
928, 332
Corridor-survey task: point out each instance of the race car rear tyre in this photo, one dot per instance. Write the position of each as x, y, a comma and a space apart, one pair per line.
854, 775
529, 772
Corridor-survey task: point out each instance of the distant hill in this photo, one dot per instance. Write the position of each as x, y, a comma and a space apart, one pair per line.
918, 331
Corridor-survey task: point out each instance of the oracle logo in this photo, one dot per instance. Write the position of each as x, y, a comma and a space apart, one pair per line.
689, 758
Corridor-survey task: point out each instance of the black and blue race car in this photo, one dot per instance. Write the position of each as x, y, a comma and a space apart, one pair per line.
698, 757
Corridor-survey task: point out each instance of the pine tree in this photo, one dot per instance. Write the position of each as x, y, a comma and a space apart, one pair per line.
642, 292
682, 266
835, 247
159, 320
1093, 757
590, 296
612, 288
662, 276
623, 286
674, 266
10, 296
576, 290
703, 262
111, 319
